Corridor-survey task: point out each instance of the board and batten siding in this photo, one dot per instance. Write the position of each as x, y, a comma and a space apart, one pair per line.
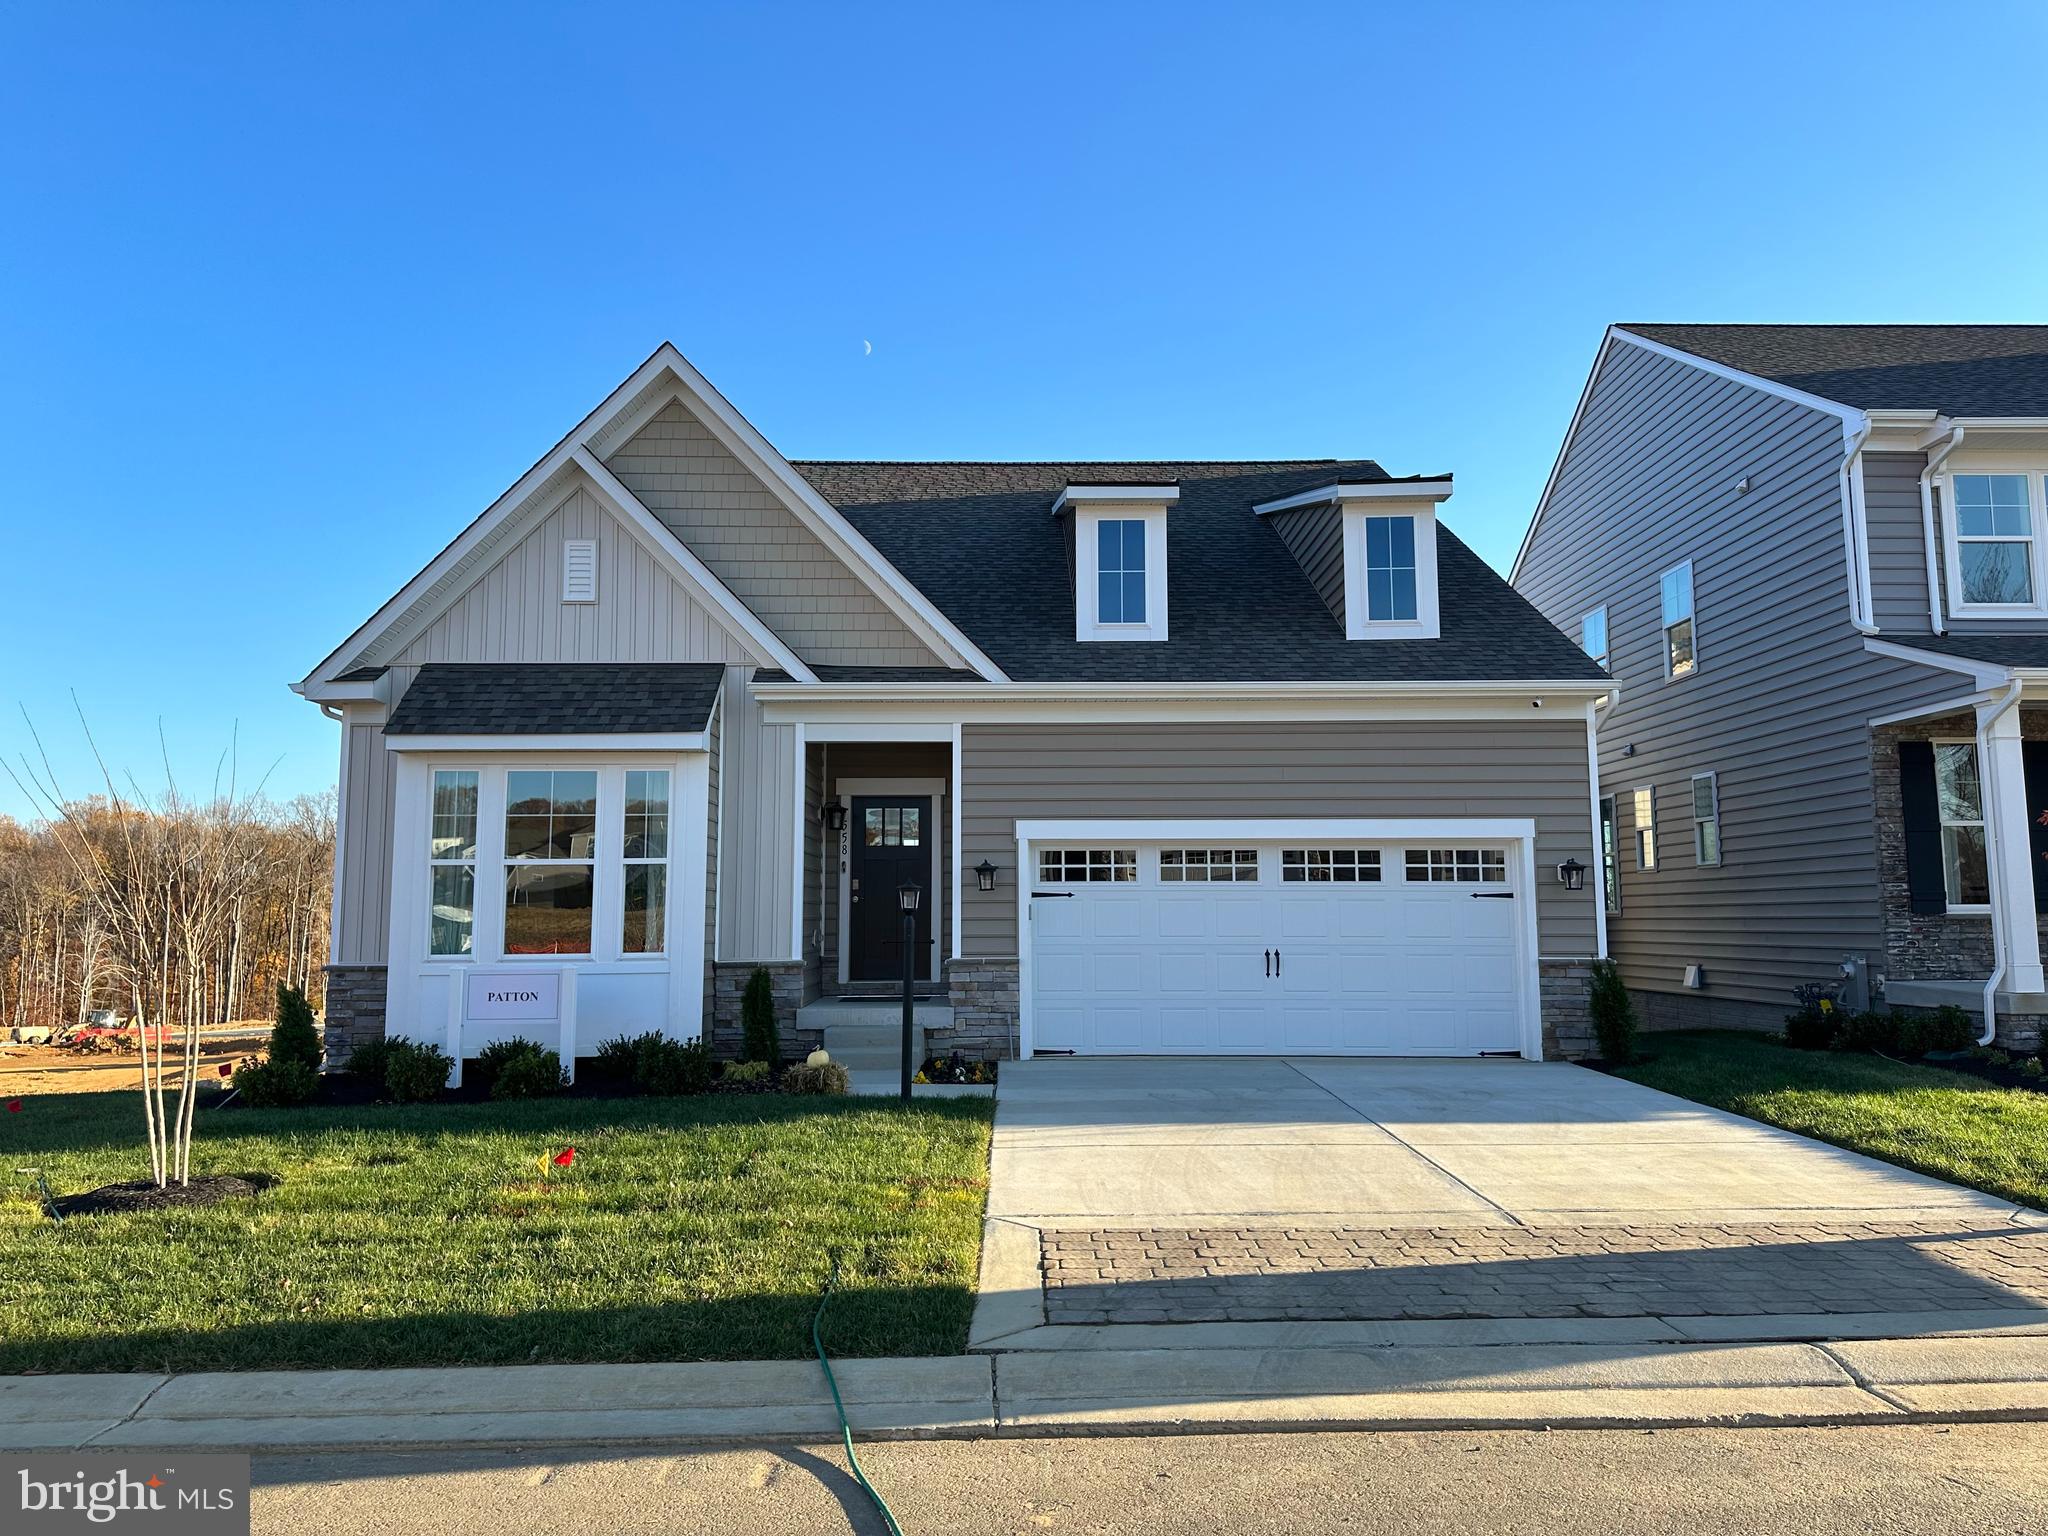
370, 782
758, 828
774, 564
1246, 770
1315, 537
1779, 705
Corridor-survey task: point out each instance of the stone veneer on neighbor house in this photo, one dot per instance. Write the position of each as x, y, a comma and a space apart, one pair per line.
352, 1013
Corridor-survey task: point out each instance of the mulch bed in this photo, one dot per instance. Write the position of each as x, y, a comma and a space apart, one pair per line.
142, 1195
345, 1090
2004, 1077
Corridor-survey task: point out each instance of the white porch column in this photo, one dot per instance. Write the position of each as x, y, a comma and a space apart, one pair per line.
2008, 828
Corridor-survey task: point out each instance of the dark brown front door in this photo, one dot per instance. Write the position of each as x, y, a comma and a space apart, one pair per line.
891, 847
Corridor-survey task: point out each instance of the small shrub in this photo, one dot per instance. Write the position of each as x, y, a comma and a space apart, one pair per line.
759, 1040
1613, 1013
1998, 1058
276, 1084
1869, 1031
493, 1058
415, 1073
529, 1074
295, 1036
669, 1067
368, 1060
827, 1078
1948, 1028
746, 1072
2032, 1067
1813, 1024
616, 1057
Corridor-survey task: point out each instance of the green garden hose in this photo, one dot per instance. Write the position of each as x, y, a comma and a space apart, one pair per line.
845, 1431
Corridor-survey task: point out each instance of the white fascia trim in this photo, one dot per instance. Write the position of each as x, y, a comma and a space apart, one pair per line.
1152, 495
1984, 674
829, 732
376, 691
1191, 691
826, 521
629, 509
620, 741
1361, 829
1372, 490
1955, 706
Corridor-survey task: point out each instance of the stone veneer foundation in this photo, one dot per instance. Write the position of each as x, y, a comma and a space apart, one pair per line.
353, 1011
729, 985
983, 993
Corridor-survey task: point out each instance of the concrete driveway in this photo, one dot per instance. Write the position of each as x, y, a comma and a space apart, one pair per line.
1232, 1143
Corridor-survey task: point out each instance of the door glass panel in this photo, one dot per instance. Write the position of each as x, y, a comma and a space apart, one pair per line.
912, 815
871, 826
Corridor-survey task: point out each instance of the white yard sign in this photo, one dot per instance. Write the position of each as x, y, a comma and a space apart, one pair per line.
515, 997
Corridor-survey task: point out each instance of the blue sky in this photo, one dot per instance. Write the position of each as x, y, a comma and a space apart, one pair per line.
288, 294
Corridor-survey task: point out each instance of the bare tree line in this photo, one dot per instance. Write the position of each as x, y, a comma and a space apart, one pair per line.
61, 956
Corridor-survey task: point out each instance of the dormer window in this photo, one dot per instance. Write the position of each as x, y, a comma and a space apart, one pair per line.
1119, 553
1388, 530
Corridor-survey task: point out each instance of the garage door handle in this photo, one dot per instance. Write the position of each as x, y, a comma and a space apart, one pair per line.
1035, 895
1493, 895
1269, 965
1276, 962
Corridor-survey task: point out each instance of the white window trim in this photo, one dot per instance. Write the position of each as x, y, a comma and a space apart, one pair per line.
1714, 789
1637, 825
1087, 566
1427, 623
2035, 472
1983, 823
1606, 637
1692, 614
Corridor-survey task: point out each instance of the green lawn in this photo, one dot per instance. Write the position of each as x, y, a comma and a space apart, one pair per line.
1926, 1118
688, 1229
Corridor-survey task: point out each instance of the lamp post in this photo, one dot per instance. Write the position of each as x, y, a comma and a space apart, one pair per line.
907, 896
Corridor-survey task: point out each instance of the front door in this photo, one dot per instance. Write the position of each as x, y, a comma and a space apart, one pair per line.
892, 846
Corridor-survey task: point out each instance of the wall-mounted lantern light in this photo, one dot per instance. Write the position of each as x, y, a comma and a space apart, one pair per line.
835, 816
1571, 874
985, 875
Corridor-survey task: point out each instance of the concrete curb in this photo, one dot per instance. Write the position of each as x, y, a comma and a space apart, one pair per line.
1051, 1392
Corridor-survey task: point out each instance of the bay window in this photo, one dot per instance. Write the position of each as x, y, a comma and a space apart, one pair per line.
645, 854
550, 866
451, 862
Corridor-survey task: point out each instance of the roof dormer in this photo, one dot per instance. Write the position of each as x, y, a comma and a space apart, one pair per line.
1388, 534
1119, 558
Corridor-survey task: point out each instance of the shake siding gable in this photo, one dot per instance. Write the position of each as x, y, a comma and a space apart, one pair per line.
1780, 704
759, 548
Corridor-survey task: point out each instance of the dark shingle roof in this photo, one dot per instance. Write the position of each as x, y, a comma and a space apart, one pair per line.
1959, 370
360, 675
557, 698
979, 540
1996, 650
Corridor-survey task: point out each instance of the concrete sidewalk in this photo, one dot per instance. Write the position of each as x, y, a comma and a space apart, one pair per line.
1233, 1383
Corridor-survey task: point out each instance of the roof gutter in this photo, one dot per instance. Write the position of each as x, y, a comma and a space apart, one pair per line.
1060, 692
1935, 460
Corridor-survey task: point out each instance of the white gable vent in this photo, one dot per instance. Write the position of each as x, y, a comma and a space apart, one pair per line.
579, 570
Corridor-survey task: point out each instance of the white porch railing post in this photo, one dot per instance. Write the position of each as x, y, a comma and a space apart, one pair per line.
2009, 825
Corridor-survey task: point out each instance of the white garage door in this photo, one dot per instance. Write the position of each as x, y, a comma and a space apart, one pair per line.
1275, 948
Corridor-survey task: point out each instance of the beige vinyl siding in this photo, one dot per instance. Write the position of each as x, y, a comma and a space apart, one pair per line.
1780, 703
774, 564
514, 610
756, 861
370, 777
1315, 537
1266, 770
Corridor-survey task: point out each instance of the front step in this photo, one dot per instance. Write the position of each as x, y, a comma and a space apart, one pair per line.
866, 1034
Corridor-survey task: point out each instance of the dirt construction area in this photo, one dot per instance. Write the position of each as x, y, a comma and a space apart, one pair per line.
30, 1069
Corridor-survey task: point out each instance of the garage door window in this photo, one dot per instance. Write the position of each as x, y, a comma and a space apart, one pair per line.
1464, 865
1341, 866
1194, 865
1087, 866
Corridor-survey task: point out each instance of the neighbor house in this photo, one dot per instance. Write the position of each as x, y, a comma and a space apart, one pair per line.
1175, 757
1815, 558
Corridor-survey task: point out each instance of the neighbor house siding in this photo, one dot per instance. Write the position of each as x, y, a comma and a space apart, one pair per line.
1261, 770
715, 765
1779, 706
362, 934
759, 548
757, 857
1898, 541
1315, 537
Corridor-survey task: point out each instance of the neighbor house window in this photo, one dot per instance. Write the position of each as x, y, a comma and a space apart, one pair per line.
1389, 568
1325, 866
1960, 795
1610, 854
1197, 865
1464, 865
1675, 592
1994, 539
1645, 807
451, 857
1593, 635
550, 853
645, 853
1706, 819
1087, 866
1120, 570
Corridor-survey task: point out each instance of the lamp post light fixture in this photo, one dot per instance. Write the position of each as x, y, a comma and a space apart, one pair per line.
1571, 874
907, 896
985, 876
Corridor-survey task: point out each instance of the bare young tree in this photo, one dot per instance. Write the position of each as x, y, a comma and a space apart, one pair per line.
164, 878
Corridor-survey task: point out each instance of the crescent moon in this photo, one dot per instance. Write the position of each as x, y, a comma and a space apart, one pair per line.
870, 352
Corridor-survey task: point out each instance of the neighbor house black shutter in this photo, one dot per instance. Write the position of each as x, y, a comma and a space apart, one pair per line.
2036, 755
1926, 885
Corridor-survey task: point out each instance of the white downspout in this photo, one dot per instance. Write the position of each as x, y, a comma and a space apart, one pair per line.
1934, 462
1985, 715
1852, 544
